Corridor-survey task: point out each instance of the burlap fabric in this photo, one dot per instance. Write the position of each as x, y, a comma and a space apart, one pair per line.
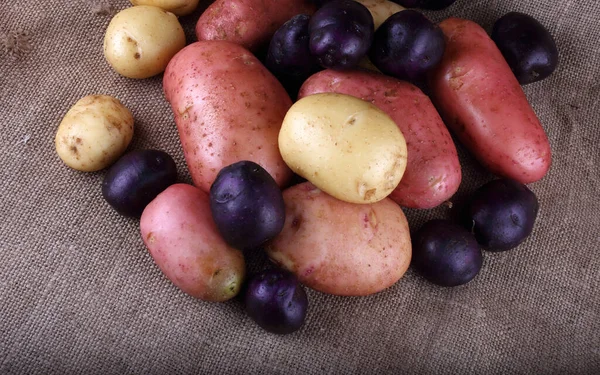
80, 294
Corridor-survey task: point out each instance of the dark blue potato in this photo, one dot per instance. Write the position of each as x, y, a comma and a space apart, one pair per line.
289, 57
247, 205
407, 45
445, 253
526, 45
276, 301
341, 33
136, 179
425, 4
501, 214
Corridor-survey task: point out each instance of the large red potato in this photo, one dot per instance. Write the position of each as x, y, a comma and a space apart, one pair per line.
179, 232
482, 102
250, 23
433, 172
228, 107
341, 248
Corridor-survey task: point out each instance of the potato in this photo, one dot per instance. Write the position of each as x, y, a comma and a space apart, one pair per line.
94, 133
341, 248
179, 232
482, 102
347, 147
250, 23
433, 172
177, 7
228, 107
140, 41
381, 10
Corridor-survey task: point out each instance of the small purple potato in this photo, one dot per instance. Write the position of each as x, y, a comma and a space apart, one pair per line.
247, 205
136, 179
407, 45
527, 46
276, 301
289, 57
445, 253
94, 133
341, 33
425, 4
501, 214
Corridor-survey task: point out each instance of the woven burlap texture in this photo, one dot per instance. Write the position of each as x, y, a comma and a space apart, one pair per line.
79, 293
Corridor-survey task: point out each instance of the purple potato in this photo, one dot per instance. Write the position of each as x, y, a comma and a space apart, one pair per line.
445, 253
136, 179
276, 301
247, 205
407, 45
425, 4
527, 46
289, 57
341, 33
501, 214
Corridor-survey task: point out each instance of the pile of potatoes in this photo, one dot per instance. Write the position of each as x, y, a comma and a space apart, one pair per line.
366, 143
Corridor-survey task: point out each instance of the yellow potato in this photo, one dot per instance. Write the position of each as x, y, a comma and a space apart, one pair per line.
141, 40
381, 10
94, 133
341, 248
177, 7
345, 146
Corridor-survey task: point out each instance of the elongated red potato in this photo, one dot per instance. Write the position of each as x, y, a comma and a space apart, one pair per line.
250, 23
179, 232
228, 107
341, 248
433, 172
482, 102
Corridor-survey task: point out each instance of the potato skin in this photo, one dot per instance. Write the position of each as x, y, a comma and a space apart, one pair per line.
94, 133
178, 230
341, 248
250, 23
228, 107
347, 147
140, 41
381, 10
177, 7
433, 171
482, 102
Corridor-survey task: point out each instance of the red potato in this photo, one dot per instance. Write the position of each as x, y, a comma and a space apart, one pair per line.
341, 248
433, 172
228, 107
178, 230
250, 23
482, 102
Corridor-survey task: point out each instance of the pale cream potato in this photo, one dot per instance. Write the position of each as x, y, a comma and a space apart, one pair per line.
94, 133
141, 40
345, 146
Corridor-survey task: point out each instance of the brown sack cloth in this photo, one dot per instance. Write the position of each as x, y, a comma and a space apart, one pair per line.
79, 293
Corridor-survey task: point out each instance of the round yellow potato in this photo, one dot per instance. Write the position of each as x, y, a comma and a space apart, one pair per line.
341, 248
381, 10
345, 146
141, 40
94, 133
177, 7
